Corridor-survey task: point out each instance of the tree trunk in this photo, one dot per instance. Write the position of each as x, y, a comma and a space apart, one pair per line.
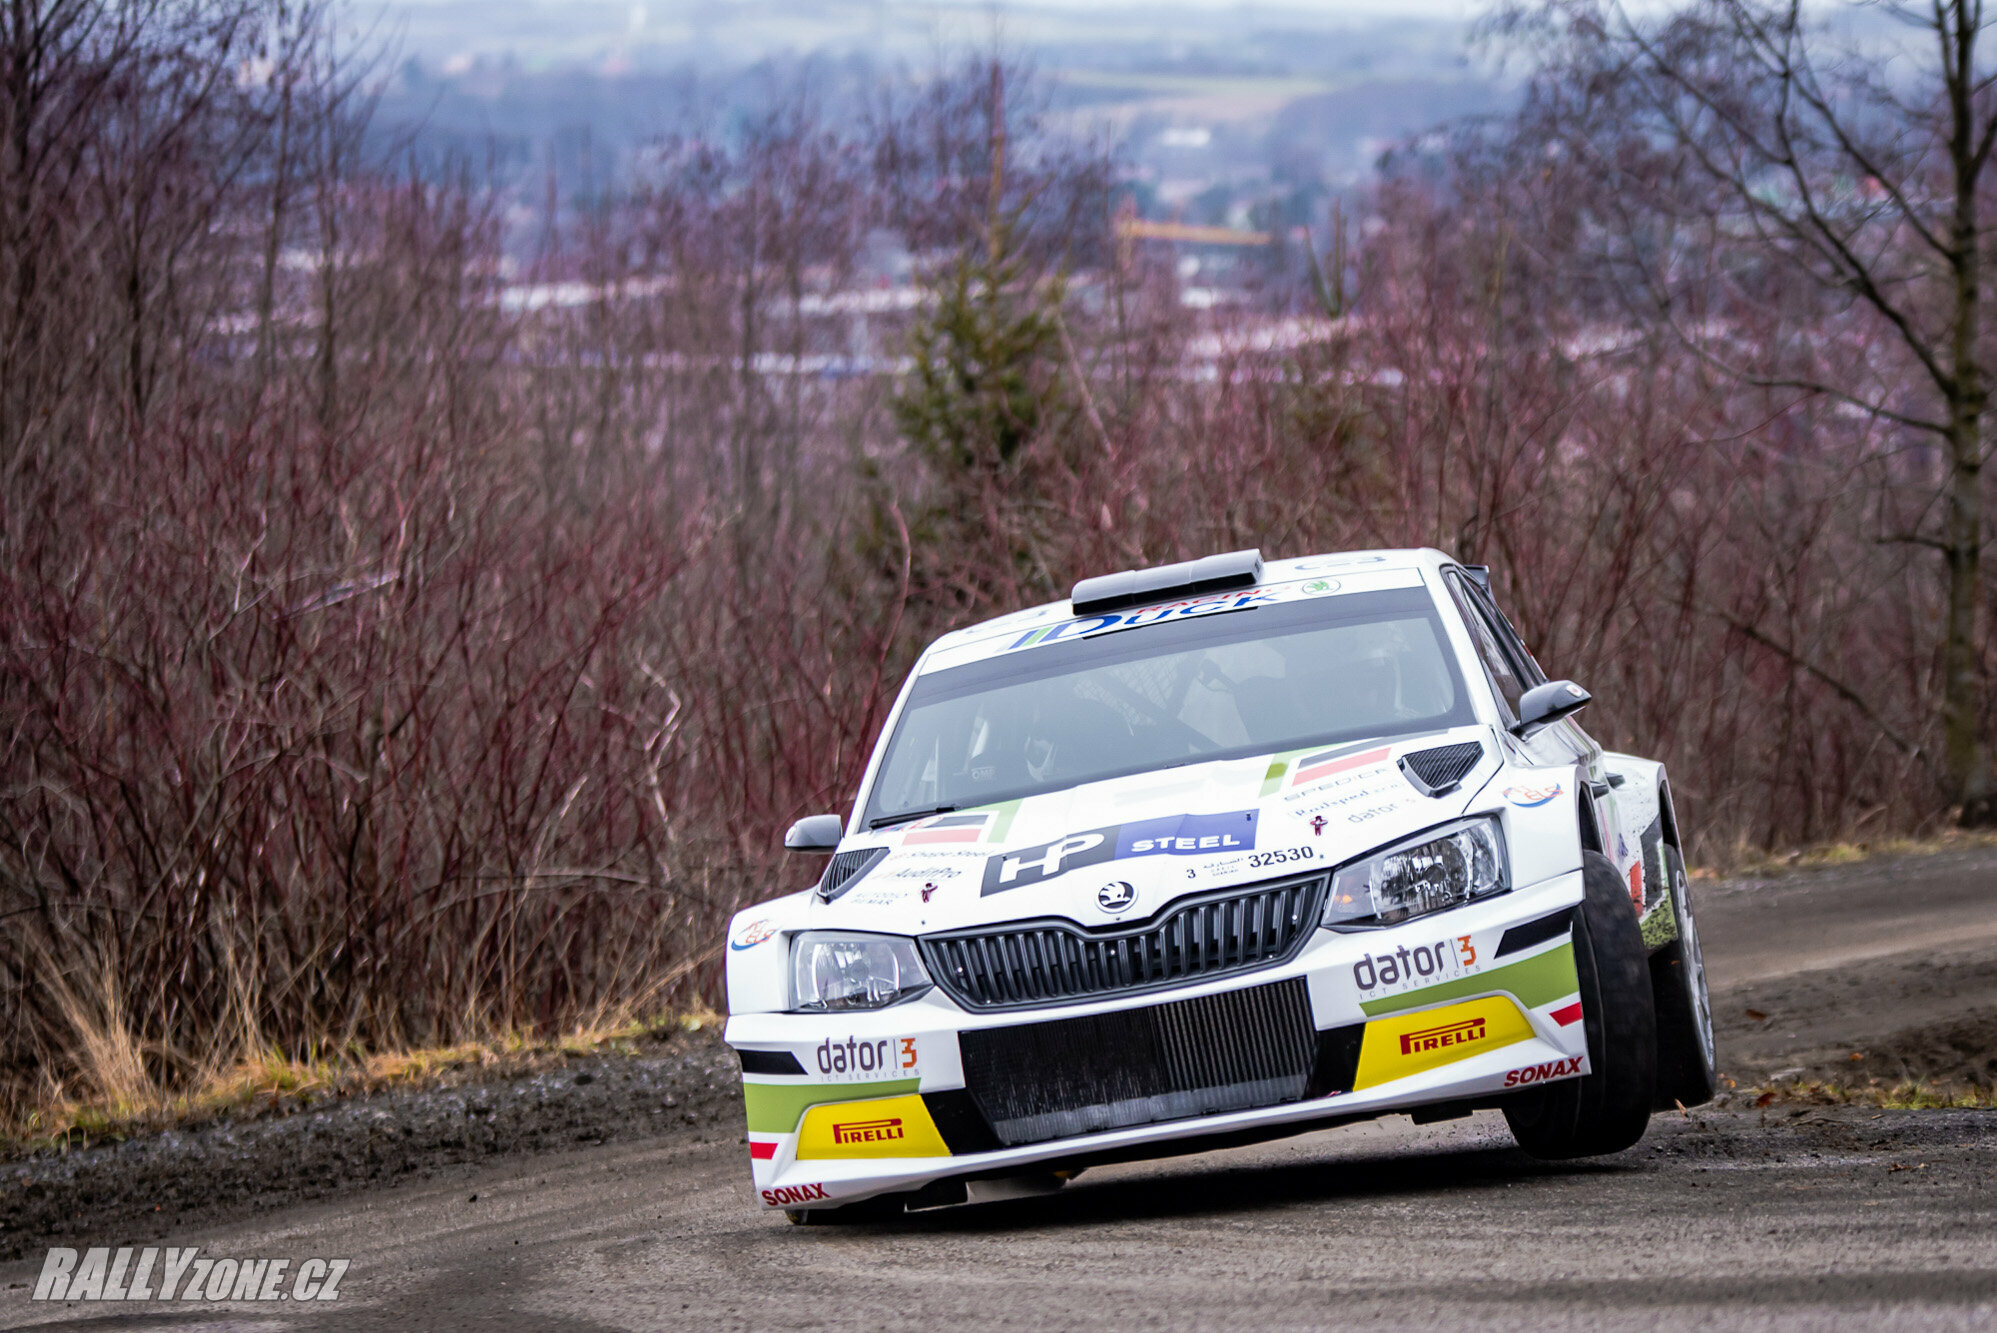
1967, 396
1962, 737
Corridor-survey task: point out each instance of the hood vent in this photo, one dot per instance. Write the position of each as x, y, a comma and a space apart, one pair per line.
1437, 772
846, 870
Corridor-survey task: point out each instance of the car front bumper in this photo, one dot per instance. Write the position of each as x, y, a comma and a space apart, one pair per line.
1461, 1006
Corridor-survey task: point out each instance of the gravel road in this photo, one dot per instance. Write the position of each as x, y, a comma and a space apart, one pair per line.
476, 1206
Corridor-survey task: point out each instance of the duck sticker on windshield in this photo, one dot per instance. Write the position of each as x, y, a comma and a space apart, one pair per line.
1175, 835
1147, 615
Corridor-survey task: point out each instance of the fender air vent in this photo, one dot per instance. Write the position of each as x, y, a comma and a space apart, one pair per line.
846, 869
1437, 772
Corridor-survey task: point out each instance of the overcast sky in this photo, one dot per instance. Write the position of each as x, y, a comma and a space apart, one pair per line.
555, 32
1362, 9
1330, 8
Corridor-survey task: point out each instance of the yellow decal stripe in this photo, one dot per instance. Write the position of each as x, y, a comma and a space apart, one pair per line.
1415, 1043
890, 1127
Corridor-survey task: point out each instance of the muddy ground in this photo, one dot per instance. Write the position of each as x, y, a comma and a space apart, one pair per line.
683, 1088
1892, 961
1790, 1218
1885, 970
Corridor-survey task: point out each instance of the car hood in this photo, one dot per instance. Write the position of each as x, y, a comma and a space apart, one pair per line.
1120, 849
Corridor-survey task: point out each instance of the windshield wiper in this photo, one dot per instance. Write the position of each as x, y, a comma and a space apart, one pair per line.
905, 816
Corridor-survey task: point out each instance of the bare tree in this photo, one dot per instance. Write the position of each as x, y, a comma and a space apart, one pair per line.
1849, 146
392, 651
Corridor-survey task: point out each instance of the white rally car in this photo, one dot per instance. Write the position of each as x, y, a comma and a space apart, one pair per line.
1212, 853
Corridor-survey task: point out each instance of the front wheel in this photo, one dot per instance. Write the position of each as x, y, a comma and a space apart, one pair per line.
1687, 1068
1605, 1110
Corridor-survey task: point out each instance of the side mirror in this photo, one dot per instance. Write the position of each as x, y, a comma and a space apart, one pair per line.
815, 833
1544, 705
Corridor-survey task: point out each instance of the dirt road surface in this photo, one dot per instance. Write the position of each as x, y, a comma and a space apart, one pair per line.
1738, 1217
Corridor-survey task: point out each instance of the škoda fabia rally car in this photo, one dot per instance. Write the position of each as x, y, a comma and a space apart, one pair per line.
1212, 853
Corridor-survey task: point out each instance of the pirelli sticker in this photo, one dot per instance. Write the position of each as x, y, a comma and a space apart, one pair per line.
890, 1127
1415, 1043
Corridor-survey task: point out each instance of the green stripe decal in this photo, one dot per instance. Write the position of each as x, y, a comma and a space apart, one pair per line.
1003, 824
1280, 764
1535, 981
775, 1108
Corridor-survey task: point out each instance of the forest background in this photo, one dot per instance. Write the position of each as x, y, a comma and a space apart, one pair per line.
420, 617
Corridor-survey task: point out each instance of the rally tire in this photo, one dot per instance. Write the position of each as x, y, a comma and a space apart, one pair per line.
1687, 1070
1606, 1110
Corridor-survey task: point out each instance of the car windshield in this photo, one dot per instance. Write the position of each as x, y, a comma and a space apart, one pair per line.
1217, 686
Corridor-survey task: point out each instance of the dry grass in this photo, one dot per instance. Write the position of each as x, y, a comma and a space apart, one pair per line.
1745, 862
1924, 1095
270, 1083
106, 1054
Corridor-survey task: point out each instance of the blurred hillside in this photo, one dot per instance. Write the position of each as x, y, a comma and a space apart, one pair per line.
1250, 116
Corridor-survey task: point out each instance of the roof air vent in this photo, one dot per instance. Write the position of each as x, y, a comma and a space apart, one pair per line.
1188, 578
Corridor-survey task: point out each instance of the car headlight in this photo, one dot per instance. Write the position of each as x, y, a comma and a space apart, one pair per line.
1440, 869
833, 971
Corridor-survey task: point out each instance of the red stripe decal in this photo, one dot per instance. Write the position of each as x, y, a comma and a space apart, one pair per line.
1571, 1014
762, 1150
1339, 766
942, 835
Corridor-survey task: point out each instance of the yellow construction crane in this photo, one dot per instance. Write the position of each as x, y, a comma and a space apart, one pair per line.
1139, 229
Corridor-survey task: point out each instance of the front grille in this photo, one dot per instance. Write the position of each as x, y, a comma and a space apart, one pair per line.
1218, 1053
1436, 772
1050, 962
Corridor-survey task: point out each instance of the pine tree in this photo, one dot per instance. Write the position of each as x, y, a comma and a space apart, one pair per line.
983, 360
982, 401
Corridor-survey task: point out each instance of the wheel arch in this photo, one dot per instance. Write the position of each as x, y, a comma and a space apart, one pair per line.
1642, 824
1667, 812
1589, 827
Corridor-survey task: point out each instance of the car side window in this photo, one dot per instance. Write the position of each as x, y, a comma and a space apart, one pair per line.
1497, 663
1526, 665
